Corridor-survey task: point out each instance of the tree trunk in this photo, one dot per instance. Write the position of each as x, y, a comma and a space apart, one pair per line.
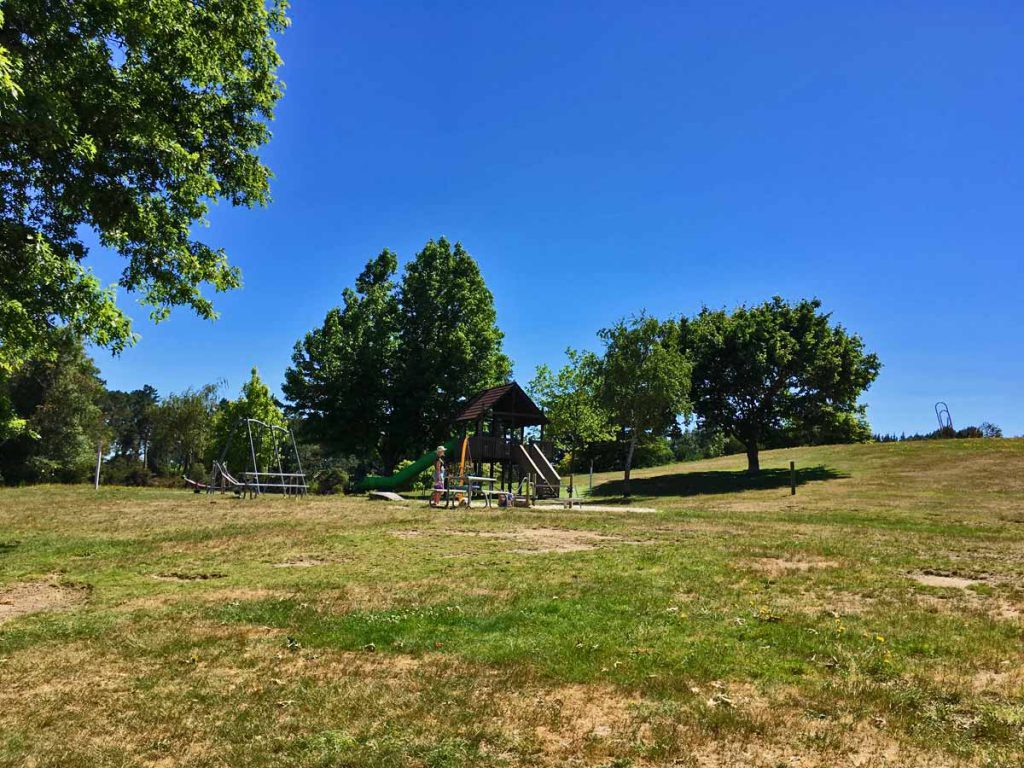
753, 460
629, 465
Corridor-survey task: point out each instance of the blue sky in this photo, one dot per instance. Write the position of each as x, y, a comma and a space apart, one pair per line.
652, 156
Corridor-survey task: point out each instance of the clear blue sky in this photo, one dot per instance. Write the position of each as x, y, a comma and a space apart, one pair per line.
625, 156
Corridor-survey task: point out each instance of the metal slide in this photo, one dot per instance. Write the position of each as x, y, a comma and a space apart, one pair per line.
405, 475
525, 459
547, 471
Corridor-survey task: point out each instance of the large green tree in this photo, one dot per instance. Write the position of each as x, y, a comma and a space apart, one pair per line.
449, 346
339, 383
59, 398
126, 118
777, 369
230, 431
645, 380
383, 375
571, 401
183, 430
130, 417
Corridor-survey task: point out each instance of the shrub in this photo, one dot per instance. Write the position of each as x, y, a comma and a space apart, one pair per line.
424, 479
122, 470
329, 481
654, 453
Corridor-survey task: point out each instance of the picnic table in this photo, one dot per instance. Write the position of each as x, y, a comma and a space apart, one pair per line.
473, 485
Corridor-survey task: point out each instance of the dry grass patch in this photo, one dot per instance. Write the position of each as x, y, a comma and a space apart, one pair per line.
773, 567
303, 561
542, 540
36, 597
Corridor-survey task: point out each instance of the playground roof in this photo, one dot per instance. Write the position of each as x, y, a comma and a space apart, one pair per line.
508, 403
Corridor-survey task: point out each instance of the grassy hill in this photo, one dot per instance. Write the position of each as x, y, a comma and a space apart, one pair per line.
875, 618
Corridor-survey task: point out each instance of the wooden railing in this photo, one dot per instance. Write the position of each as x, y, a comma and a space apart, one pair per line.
484, 448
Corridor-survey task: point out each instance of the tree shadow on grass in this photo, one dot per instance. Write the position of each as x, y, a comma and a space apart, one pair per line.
701, 483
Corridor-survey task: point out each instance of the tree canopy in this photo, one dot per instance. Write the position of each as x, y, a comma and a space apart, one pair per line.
130, 417
644, 379
777, 369
383, 375
59, 398
339, 382
449, 345
570, 399
126, 119
183, 429
254, 402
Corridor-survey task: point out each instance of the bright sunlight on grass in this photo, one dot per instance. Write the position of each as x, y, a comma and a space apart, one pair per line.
872, 619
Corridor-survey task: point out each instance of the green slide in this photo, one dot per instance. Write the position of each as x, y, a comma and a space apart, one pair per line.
405, 475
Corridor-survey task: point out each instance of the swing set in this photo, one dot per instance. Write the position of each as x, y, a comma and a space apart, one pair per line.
259, 478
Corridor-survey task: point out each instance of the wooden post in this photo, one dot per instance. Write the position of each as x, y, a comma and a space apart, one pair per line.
792, 478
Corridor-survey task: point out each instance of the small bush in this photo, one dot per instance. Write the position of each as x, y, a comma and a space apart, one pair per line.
329, 481
122, 470
424, 479
653, 453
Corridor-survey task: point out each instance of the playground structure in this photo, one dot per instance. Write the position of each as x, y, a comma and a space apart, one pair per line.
256, 480
493, 434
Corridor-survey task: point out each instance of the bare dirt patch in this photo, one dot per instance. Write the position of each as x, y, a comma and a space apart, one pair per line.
541, 540
625, 508
183, 576
783, 566
36, 597
940, 579
411, 534
303, 561
829, 602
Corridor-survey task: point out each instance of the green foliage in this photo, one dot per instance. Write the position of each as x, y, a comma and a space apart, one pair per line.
422, 481
182, 430
130, 417
697, 444
778, 371
570, 399
449, 346
381, 378
127, 119
229, 429
329, 481
644, 379
58, 398
124, 470
339, 381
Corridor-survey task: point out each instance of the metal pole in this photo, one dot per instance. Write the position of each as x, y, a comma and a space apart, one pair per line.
252, 452
591, 477
298, 462
277, 454
792, 478
99, 462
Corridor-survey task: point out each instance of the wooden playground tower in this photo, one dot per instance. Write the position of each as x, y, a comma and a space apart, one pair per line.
493, 425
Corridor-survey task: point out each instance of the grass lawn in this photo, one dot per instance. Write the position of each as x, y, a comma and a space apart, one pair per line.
875, 618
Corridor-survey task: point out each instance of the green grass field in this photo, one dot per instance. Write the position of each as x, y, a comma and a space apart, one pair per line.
875, 618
